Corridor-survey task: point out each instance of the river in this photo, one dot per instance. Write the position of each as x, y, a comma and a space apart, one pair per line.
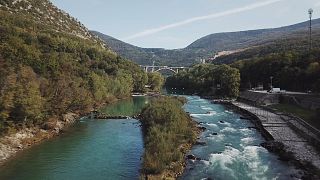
232, 149
91, 149
112, 149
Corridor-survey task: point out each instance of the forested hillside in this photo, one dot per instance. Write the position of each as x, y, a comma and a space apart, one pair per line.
50, 65
208, 46
297, 42
287, 60
291, 70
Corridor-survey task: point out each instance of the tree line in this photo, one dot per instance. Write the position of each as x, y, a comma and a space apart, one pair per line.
207, 79
290, 70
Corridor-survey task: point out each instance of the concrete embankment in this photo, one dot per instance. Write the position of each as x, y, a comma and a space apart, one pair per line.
25, 138
280, 129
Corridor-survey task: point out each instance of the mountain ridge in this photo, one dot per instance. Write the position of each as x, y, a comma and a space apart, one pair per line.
206, 47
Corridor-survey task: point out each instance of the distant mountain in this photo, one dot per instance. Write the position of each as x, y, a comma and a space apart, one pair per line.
208, 46
146, 56
245, 39
139, 55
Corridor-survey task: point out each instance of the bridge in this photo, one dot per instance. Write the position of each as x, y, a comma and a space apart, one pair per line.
154, 68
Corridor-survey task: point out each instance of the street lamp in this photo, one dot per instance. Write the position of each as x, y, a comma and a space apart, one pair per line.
310, 11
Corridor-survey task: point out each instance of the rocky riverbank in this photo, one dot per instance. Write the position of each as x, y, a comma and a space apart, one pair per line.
25, 138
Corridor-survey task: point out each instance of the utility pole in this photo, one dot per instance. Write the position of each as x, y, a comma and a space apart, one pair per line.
152, 59
310, 11
153, 66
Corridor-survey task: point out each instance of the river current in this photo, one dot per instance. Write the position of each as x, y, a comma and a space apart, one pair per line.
232, 149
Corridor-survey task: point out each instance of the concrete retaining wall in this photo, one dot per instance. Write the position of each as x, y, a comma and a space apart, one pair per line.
260, 98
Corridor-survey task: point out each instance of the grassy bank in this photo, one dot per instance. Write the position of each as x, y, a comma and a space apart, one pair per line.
168, 134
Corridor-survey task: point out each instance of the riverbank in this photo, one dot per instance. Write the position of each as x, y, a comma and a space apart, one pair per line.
282, 139
25, 138
13, 143
113, 148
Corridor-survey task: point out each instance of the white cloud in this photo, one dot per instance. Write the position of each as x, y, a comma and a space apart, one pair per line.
201, 18
317, 4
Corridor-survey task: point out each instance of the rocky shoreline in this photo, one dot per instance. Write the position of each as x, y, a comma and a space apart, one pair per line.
11, 144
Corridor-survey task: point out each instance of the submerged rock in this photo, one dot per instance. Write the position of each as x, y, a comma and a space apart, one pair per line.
201, 143
242, 117
202, 128
193, 157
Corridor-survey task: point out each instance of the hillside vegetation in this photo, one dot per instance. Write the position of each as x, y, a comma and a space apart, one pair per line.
207, 79
208, 46
291, 70
297, 42
51, 65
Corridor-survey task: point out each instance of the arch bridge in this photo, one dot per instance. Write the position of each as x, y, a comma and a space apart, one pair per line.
175, 70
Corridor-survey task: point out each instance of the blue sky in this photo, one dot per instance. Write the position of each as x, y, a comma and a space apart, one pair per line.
177, 23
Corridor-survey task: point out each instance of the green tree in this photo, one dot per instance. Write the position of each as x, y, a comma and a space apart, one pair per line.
99, 87
156, 81
229, 79
28, 103
208, 79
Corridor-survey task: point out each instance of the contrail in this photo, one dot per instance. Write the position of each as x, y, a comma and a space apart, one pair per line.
200, 18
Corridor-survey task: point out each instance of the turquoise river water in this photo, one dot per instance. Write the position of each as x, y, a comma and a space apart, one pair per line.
112, 149
90, 150
232, 150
